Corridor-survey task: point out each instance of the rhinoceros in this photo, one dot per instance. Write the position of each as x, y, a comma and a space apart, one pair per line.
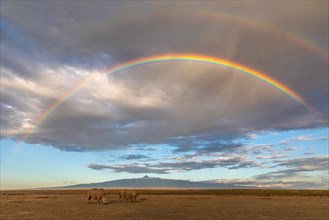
128, 194
105, 200
96, 194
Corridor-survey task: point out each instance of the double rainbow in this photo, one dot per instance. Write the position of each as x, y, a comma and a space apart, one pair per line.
235, 19
171, 58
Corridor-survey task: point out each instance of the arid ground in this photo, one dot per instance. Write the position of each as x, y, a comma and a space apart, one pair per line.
167, 204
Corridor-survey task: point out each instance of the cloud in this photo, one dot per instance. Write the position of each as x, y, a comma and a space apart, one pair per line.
180, 165
290, 173
291, 148
272, 156
240, 182
50, 49
134, 157
206, 147
292, 185
296, 175
129, 168
307, 164
278, 184
303, 138
309, 153
70, 182
252, 136
258, 149
296, 168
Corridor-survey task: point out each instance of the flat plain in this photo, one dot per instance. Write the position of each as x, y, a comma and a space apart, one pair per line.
168, 204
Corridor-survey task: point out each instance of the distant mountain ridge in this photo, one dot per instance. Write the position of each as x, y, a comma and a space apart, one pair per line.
153, 182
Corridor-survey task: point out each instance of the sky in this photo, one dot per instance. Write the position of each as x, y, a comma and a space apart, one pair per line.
231, 92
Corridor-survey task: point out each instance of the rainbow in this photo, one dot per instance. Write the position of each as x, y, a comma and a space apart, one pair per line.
290, 36
215, 16
170, 58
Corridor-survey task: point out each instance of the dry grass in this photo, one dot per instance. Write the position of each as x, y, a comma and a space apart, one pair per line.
168, 204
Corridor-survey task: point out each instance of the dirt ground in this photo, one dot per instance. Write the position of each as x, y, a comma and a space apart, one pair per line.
71, 204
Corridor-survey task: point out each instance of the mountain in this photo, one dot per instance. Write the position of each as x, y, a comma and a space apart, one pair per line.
152, 182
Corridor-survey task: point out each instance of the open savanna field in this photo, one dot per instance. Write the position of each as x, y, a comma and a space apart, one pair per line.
168, 204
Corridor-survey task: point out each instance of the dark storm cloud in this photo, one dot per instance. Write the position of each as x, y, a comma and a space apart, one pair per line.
49, 48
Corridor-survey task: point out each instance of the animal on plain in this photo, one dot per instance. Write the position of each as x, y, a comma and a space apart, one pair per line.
128, 194
96, 194
105, 200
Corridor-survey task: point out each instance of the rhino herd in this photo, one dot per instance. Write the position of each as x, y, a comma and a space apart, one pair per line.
101, 196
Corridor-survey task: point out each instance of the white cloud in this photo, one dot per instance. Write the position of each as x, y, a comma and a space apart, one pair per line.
272, 156
310, 137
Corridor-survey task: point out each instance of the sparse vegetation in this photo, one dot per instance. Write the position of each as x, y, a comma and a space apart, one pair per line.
255, 192
167, 204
